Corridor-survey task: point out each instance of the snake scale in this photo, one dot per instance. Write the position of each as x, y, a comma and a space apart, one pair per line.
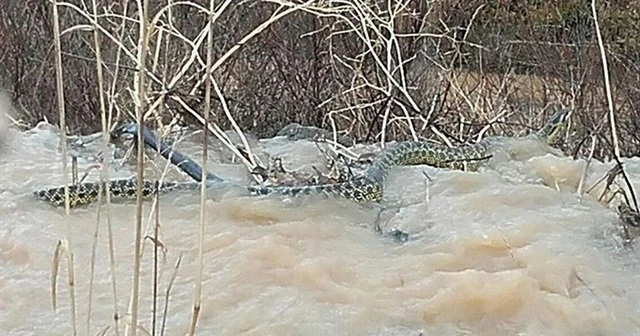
365, 188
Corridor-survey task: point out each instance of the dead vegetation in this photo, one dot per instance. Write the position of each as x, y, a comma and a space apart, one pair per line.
371, 70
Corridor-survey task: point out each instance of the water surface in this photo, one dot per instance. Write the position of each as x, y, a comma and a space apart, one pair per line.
509, 250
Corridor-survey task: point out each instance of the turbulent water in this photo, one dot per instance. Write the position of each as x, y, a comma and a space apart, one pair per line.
509, 250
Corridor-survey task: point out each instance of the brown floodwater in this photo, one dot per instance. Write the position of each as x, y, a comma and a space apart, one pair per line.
509, 250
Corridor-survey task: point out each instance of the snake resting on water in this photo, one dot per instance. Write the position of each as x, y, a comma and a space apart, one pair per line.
367, 187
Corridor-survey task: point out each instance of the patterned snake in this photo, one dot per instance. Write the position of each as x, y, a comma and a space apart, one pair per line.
365, 188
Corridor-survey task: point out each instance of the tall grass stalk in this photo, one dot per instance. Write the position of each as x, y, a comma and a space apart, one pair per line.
61, 107
104, 172
156, 228
63, 145
156, 247
143, 6
197, 293
607, 82
110, 118
167, 294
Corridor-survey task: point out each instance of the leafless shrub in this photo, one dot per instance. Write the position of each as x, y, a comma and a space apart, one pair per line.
375, 69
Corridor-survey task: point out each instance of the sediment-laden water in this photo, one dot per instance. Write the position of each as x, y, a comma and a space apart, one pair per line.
509, 250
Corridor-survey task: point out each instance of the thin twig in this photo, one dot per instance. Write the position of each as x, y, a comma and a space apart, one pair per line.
167, 294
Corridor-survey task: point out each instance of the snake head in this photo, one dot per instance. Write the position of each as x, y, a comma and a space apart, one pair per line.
128, 128
555, 125
560, 117
131, 129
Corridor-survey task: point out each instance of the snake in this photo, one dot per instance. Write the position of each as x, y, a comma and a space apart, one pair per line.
368, 187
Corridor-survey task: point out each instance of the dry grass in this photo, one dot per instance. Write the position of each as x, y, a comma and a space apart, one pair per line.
68, 245
197, 293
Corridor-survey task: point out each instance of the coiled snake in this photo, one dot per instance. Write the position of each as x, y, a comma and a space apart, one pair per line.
365, 188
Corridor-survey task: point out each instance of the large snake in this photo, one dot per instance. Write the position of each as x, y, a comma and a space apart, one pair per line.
365, 188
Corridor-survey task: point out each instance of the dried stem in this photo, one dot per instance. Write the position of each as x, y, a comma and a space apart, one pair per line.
104, 173
112, 250
63, 145
197, 293
156, 247
61, 107
607, 83
168, 293
140, 106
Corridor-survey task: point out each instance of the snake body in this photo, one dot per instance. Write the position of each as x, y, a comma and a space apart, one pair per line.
369, 187
119, 190
365, 188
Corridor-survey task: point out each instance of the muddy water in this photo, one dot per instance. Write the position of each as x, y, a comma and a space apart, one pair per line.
509, 250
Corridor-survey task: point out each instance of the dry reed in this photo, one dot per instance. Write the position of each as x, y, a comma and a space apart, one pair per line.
607, 82
104, 172
69, 253
110, 238
197, 292
140, 104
